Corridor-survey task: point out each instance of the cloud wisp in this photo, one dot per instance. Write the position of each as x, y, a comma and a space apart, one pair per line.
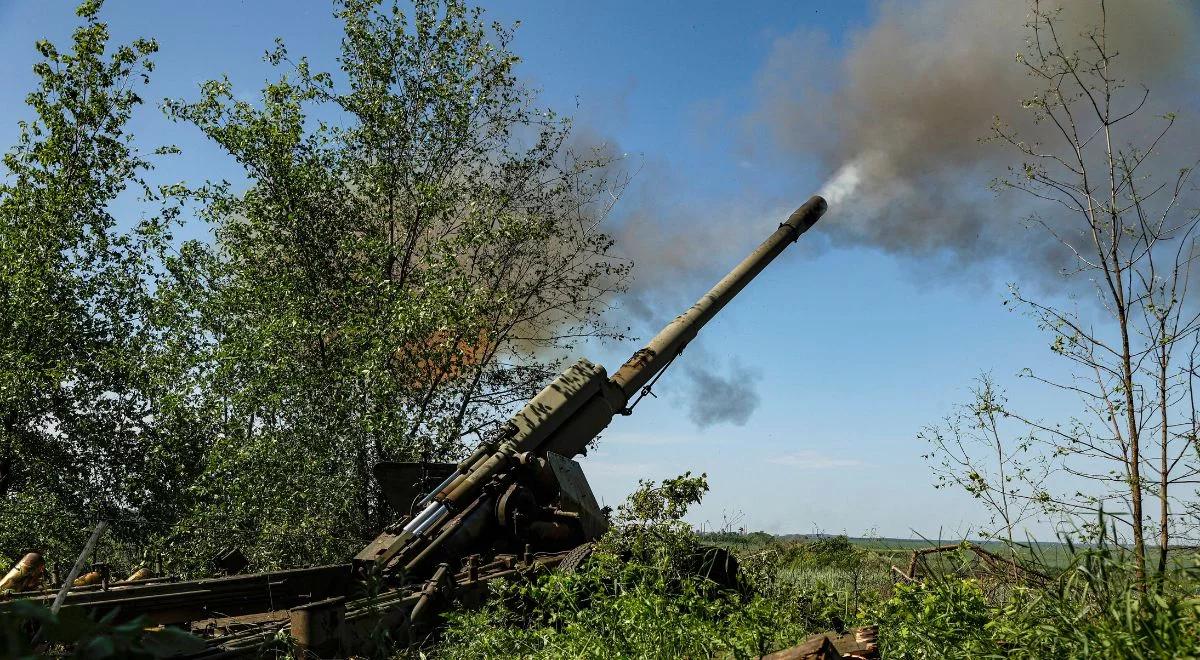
808, 459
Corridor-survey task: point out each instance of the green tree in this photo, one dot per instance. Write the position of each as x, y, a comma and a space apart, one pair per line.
79, 430
418, 244
974, 449
1127, 219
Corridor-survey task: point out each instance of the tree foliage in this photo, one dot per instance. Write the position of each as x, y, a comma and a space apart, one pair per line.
417, 246
82, 369
1107, 196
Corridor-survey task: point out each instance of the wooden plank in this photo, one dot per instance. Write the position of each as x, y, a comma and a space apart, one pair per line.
814, 648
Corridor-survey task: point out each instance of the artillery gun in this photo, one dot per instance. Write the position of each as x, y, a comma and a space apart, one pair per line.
519, 502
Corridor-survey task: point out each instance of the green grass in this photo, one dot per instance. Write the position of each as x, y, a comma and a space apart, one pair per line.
646, 594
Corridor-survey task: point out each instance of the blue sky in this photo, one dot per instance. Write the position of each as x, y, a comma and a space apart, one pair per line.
853, 350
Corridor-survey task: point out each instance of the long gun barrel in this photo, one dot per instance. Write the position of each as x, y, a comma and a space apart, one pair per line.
561, 420
647, 362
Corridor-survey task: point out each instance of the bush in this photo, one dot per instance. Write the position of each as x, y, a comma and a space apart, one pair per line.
1092, 610
72, 634
639, 596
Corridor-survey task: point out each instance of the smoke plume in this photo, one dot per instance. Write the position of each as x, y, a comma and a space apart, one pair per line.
897, 116
715, 398
679, 249
900, 118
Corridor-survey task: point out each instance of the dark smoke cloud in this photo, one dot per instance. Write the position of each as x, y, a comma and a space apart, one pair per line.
716, 398
678, 250
898, 117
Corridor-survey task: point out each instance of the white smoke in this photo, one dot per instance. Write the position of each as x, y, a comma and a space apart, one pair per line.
843, 184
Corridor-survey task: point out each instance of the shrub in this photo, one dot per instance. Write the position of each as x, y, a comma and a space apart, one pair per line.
639, 596
73, 634
1092, 610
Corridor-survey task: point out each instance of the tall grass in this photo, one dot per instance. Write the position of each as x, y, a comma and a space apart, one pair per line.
1092, 608
645, 595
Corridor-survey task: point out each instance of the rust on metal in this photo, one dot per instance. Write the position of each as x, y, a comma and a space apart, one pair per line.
319, 627
992, 564
88, 579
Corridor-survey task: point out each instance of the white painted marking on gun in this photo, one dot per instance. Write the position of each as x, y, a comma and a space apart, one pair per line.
429, 497
436, 517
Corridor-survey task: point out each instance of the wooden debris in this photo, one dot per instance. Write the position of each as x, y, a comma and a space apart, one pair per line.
858, 644
996, 565
814, 648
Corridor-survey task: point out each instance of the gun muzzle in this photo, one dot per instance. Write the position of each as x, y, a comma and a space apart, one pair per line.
803, 218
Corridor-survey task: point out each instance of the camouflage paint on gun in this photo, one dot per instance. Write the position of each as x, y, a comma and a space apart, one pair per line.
561, 419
